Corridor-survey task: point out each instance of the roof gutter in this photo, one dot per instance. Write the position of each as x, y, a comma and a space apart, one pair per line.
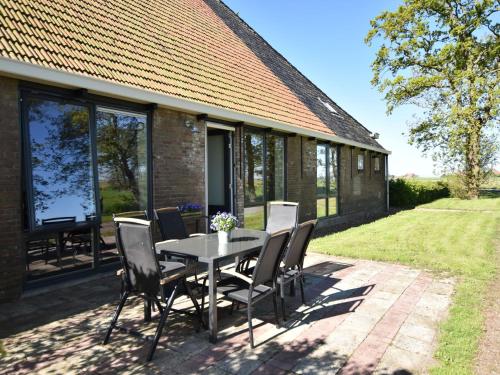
24, 70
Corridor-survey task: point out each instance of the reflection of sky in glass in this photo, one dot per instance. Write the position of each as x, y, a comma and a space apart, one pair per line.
61, 162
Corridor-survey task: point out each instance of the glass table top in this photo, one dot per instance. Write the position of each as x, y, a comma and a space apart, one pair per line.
207, 248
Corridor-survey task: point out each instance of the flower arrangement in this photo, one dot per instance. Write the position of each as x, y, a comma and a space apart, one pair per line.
190, 207
223, 222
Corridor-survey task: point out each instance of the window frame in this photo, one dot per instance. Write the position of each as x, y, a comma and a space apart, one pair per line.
329, 147
264, 133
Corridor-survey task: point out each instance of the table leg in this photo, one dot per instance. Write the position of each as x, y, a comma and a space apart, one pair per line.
212, 302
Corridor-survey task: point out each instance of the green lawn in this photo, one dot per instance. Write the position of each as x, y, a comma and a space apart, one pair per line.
458, 243
489, 202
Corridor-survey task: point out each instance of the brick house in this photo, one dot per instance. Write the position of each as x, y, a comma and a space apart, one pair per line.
113, 106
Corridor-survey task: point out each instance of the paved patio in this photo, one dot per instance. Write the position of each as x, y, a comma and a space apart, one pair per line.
360, 317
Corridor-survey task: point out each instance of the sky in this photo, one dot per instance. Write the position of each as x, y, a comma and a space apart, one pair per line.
324, 39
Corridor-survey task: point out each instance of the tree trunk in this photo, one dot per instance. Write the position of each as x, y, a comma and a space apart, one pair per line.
472, 165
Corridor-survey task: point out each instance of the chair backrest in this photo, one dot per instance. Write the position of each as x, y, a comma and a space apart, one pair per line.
135, 244
282, 216
297, 247
142, 215
270, 256
171, 223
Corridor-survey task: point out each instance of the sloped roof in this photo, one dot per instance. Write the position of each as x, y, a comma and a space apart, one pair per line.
192, 49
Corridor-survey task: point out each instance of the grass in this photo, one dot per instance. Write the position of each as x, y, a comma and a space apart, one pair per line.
457, 243
487, 201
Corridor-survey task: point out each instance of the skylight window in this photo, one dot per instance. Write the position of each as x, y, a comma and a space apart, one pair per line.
329, 107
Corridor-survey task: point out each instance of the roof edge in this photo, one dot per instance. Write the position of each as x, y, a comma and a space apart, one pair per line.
25, 70
291, 65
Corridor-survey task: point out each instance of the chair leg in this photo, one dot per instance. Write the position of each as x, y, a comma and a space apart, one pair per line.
115, 317
301, 282
161, 324
250, 328
275, 305
196, 306
232, 308
282, 297
203, 294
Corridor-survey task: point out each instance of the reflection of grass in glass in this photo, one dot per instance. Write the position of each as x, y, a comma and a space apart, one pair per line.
332, 206
321, 207
259, 192
254, 218
115, 201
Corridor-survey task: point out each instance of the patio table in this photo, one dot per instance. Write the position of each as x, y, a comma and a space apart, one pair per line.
207, 249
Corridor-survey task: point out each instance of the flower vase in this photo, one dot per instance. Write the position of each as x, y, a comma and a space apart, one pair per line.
224, 237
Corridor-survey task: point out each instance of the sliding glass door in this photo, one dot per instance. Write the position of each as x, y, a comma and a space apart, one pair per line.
264, 174
83, 162
326, 180
122, 169
254, 180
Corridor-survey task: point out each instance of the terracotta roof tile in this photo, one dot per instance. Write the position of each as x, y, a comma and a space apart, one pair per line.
184, 48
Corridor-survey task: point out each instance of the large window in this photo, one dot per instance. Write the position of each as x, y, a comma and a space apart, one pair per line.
326, 180
264, 174
83, 163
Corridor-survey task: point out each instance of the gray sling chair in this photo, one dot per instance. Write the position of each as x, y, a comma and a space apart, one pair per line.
282, 216
139, 214
255, 288
172, 228
292, 264
144, 278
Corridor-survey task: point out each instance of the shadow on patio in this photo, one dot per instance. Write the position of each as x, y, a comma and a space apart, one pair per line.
62, 332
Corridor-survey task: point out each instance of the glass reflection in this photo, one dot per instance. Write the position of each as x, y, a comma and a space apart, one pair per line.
61, 165
122, 165
332, 181
275, 168
254, 181
321, 181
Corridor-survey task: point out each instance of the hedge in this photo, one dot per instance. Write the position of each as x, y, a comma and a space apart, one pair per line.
410, 193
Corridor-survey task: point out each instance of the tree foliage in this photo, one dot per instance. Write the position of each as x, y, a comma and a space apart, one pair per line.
443, 56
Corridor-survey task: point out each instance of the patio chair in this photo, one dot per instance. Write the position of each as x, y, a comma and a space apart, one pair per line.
172, 225
172, 228
291, 268
256, 287
139, 214
144, 277
282, 216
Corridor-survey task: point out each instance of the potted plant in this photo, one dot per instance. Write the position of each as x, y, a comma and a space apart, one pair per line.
190, 209
224, 223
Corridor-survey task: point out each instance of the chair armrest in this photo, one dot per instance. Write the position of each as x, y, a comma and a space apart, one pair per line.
172, 277
197, 235
238, 275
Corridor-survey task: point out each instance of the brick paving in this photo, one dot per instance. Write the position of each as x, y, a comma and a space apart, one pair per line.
361, 317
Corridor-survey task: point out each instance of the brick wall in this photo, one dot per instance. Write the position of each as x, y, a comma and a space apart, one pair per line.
360, 191
301, 175
11, 254
178, 159
362, 194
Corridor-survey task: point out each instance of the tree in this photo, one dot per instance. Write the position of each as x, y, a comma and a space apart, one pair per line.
443, 56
